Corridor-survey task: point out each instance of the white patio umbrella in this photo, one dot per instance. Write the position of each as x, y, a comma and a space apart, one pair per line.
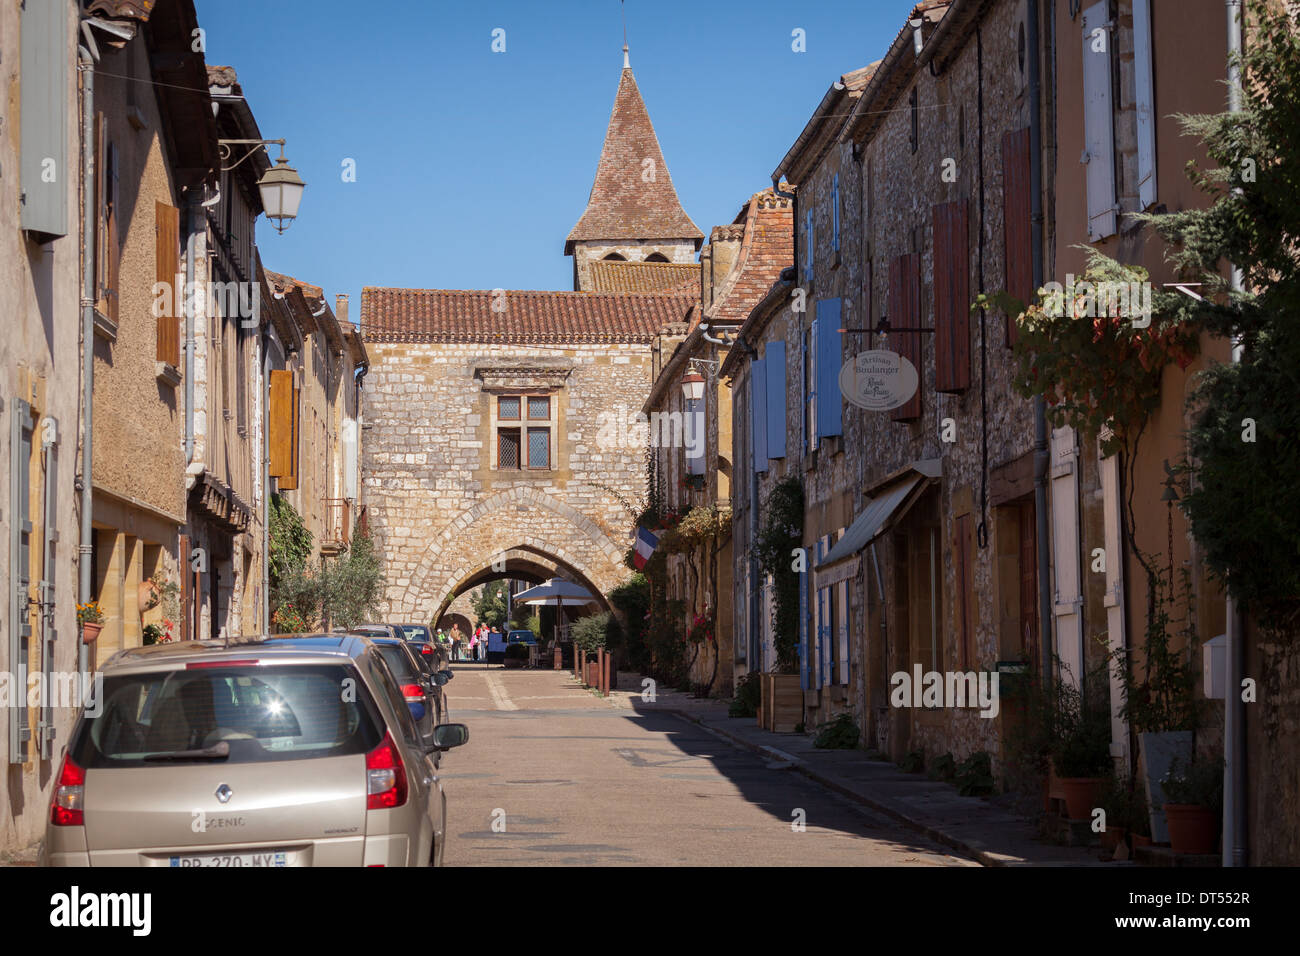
558, 593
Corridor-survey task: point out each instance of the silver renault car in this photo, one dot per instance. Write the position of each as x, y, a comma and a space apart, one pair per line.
274, 751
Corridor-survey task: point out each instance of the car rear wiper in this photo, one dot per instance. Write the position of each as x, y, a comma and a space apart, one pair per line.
218, 751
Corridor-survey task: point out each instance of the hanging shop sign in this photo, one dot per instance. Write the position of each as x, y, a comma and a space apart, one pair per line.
878, 380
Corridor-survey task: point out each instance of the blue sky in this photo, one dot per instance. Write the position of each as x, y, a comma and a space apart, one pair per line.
472, 166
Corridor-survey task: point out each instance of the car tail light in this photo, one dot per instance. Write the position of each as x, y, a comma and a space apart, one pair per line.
426, 648
412, 692
385, 777
67, 808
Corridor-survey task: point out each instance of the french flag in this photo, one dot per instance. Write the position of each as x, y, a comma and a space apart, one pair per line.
643, 547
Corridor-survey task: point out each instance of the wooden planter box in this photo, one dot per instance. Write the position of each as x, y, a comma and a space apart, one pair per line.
592, 674
782, 706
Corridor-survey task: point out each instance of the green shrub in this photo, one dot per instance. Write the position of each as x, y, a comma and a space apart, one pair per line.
914, 762
1198, 783
838, 733
974, 776
749, 696
943, 768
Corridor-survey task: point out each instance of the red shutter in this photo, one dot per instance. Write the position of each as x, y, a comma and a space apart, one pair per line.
951, 297
905, 312
1018, 248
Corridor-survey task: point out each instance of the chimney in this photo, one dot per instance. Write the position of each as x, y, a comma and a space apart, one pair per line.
341, 308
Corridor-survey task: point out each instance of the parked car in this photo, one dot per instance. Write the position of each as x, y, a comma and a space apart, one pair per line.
275, 751
415, 675
422, 637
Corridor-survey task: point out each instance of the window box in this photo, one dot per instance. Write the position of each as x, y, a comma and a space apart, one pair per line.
167, 373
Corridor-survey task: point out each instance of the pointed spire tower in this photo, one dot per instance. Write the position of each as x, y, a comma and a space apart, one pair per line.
633, 212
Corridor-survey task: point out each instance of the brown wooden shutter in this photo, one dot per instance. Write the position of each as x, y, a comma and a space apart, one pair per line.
1018, 248
964, 581
905, 312
291, 482
1028, 583
951, 297
282, 426
167, 241
101, 223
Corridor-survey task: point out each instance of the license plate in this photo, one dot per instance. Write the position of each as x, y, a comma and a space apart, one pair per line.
233, 859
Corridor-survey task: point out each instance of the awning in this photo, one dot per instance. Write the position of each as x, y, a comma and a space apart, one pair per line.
841, 561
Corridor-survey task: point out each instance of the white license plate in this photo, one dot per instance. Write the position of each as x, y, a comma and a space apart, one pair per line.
233, 859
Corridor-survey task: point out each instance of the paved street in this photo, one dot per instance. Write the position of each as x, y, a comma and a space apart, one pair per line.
570, 779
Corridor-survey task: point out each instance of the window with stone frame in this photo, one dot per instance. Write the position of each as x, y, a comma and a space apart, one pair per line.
525, 426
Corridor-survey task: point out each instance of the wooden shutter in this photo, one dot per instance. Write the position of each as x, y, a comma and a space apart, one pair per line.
964, 581
774, 362
101, 224
758, 412
1099, 135
1065, 547
19, 579
1029, 584
1144, 85
282, 429
830, 356
905, 312
951, 297
1017, 242
167, 242
45, 726
113, 251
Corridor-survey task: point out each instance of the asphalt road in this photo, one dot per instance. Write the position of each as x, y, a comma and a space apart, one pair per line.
553, 774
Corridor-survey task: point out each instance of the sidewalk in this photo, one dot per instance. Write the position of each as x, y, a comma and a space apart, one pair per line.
978, 828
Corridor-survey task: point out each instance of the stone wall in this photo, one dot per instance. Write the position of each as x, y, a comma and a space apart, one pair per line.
441, 510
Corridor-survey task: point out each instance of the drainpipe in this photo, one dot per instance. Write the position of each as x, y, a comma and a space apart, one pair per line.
190, 243
86, 548
1040, 411
1234, 710
266, 481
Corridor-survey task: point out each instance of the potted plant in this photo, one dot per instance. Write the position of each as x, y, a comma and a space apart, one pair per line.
153, 634
1161, 706
90, 617
516, 656
1124, 804
1081, 753
1194, 790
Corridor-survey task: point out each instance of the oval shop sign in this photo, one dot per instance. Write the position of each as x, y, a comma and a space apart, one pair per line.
878, 380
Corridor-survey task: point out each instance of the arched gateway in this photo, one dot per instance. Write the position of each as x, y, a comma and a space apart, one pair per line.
499, 436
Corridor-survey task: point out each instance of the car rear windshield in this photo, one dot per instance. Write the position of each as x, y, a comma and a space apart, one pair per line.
263, 714
415, 632
398, 661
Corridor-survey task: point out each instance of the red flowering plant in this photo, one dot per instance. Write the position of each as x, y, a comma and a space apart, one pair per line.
702, 628
1096, 346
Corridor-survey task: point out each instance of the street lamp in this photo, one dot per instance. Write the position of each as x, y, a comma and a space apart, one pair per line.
281, 187
693, 386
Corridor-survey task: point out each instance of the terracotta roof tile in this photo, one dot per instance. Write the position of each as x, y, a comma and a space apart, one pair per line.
622, 204
609, 275
542, 318
768, 247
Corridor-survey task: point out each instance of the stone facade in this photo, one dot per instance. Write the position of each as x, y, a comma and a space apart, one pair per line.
443, 511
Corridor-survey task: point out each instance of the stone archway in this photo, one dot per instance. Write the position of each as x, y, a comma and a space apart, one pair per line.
528, 527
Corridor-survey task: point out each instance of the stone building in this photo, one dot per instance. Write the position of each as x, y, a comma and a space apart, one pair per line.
738, 267
40, 399
915, 518
501, 437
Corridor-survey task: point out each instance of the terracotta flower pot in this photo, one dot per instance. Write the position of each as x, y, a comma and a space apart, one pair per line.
1192, 829
1080, 796
1136, 840
90, 632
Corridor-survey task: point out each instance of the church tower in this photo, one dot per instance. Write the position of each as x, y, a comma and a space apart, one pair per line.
633, 213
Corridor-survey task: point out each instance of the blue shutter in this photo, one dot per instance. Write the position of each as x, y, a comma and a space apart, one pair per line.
835, 212
822, 611
43, 124
20, 531
803, 629
758, 412
774, 361
829, 358
810, 389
